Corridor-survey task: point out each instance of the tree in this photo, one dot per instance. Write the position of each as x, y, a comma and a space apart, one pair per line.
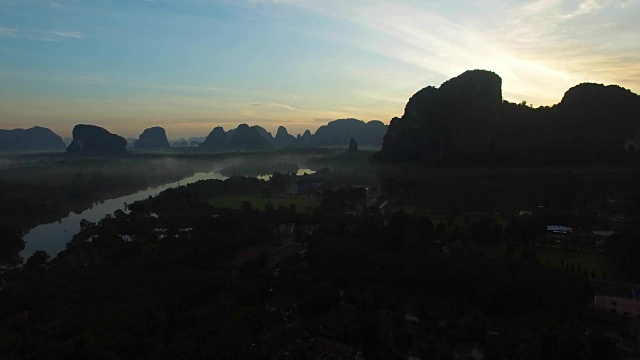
246, 206
39, 258
485, 230
86, 224
269, 207
11, 243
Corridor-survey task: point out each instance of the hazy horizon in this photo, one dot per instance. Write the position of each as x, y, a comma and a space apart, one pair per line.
189, 66
230, 126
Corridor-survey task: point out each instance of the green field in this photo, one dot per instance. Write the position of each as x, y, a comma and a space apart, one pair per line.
302, 204
589, 261
461, 219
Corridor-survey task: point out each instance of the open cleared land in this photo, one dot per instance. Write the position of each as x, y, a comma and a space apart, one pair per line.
586, 260
302, 204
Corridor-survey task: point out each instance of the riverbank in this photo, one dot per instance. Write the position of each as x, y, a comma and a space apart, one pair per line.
47, 188
53, 237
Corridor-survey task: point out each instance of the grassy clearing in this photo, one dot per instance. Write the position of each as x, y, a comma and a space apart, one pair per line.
589, 261
302, 204
462, 219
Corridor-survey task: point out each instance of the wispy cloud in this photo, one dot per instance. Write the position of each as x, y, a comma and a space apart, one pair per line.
53, 35
68, 34
41, 35
10, 32
275, 104
585, 7
540, 48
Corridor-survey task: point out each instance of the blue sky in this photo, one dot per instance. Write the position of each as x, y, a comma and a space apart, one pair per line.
190, 65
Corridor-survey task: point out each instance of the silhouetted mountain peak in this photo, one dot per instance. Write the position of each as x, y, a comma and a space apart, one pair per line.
33, 139
591, 94
216, 139
466, 121
299, 142
265, 134
283, 138
307, 134
375, 123
479, 85
247, 138
152, 138
91, 139
282, 131
338, 132
599, 110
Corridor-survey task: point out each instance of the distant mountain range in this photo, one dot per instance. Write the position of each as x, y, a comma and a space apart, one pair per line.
466, 121
335, 133
94, 139
34, 139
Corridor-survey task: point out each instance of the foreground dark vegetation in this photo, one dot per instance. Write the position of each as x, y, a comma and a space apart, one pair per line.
390, 261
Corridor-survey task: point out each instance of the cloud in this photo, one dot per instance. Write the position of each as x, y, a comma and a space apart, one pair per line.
41, 35
540, 49
9, 32
275, 104
540, 6
585, 7
625, 4
68, 34
53, 35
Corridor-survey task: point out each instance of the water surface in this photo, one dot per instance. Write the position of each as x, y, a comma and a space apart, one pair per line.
53, 237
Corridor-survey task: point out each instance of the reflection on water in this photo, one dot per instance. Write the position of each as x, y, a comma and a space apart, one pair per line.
305, 172
299, 173
53, 237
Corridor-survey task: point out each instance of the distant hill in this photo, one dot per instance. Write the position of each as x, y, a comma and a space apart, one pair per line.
283, 138
216, 140
307, 136
465, 120
34, 139
247, 138
152, 138
198, 139
91, 139
265, 134
300, 142
335, 133
339, 132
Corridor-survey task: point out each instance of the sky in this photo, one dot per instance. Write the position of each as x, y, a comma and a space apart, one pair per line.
191, 65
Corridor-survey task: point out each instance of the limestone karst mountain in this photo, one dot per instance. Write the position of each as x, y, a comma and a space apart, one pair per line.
91, 139
152, 138
34, 139
465, 120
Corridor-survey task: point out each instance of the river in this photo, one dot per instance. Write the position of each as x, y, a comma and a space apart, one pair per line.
53, 237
